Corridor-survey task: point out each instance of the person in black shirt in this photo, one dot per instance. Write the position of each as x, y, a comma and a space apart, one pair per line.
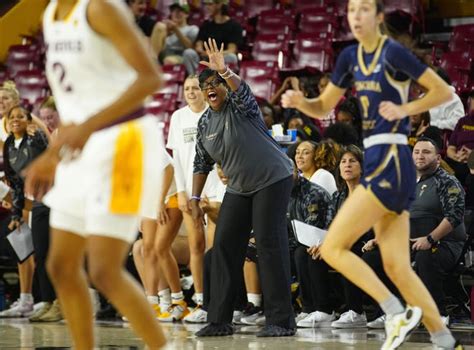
19, 150
144, 22
219, 27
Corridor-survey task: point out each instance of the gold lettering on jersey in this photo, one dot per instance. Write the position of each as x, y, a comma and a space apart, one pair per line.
370, 85
368, 124
468, 127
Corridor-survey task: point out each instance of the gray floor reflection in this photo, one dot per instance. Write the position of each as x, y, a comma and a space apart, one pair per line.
19, 334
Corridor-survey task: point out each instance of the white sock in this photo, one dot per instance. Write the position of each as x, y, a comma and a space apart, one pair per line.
26, 298
198, 298
152, 299
177, 296
255, 299
165, 297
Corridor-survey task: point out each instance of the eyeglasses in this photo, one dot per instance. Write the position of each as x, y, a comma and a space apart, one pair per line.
213, 83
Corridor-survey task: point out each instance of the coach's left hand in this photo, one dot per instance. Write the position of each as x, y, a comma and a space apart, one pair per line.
420, 244
39, 175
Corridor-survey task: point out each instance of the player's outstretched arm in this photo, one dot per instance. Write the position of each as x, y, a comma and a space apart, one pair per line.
438, 92
316, 107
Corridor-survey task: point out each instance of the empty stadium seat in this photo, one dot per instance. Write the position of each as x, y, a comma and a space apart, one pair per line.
256, 69
262, 87
35, 76
270, 47
32, 92
174, 73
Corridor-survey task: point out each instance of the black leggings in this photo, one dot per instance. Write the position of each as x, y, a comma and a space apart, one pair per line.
265, 212
40, 232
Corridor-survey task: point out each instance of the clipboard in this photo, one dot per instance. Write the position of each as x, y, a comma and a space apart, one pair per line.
308, 235
21, 241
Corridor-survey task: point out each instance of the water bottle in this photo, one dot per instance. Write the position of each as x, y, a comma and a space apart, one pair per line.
2, 295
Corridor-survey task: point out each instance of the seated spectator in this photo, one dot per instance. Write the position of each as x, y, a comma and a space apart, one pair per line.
437, 229
323, 311
49, 114
144, 22
342, 133
220, 27
461, 143
349, 113
306, 130
268, 113
420, 127
173, 36
317, 163
446, 116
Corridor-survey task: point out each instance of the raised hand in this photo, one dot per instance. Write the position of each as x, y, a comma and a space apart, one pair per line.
215, 55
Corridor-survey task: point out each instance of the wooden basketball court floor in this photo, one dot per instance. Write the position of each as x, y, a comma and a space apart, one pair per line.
20, 334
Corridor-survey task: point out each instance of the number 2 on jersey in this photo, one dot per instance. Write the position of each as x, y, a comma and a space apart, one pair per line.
364, 101
59, 69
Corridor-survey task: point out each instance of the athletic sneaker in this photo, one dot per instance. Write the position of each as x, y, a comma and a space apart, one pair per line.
445, 320
198, 315
260, 321
18, 309
53, 315
457, 346
250, 310
251, 320
317, 319
237, 316
176, 312
301, 316
40, 312
350, 319
398, 327
378, 323
156, 310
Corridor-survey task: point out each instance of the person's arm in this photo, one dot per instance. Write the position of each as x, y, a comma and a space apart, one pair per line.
42, 126
289, 81
231, 48
451, 113
16, 184
165, 186
452, 153
452, 197
437, 93
183, 39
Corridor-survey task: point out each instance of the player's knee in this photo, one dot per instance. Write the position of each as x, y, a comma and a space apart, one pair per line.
198, 247
162, 250
103, 276
148, 249
59, 268
395, 269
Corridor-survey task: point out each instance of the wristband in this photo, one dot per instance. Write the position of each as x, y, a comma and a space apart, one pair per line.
431, 240
196, 198
227, 74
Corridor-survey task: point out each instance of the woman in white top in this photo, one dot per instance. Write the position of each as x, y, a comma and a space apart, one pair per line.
182, 141
317, 162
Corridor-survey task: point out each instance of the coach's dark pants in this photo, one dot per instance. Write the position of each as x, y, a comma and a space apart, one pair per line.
40, 233
265, 212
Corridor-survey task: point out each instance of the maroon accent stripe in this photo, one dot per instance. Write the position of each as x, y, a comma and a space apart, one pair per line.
138, 113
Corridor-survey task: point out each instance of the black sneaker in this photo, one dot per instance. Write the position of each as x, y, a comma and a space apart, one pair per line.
216, 330
276, 331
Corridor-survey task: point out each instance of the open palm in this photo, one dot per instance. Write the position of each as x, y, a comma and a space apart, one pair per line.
216, 55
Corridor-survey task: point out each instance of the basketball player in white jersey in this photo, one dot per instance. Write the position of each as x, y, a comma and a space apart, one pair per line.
103, 162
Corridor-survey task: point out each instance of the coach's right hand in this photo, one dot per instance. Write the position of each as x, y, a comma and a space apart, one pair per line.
197, 214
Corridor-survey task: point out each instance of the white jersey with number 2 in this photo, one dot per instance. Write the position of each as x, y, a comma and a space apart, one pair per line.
86, 72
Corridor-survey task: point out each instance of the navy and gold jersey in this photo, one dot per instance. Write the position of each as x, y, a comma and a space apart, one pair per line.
383, 75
